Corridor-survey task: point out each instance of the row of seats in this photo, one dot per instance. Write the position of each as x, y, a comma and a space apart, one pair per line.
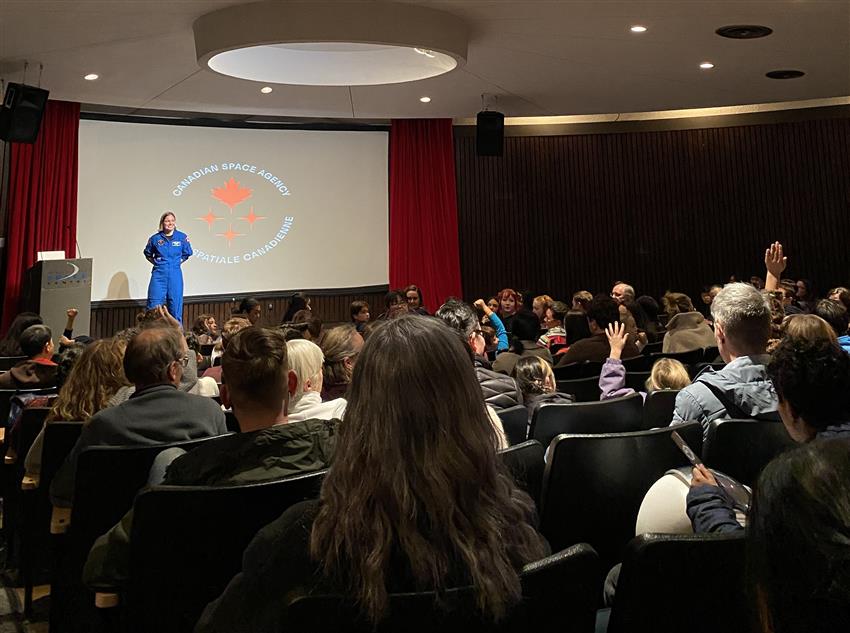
695, 359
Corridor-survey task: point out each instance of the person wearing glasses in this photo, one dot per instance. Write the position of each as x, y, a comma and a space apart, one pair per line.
156, 413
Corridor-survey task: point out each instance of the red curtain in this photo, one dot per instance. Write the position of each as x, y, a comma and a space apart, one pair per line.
423, 209
42, 198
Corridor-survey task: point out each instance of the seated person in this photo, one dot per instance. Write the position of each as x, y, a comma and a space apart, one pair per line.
305, 362
553, 321
834, 313
812, 381
798, 552
341, 345
249, 308
742, 388
416, 498
600, 312
38, 371
686, 328
10, 344
156, 413
258, 385
231, 327
359, 315
667, 373
537, 383
526, 329
206, 329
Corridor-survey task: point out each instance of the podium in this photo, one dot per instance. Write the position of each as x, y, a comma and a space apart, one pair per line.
53, 286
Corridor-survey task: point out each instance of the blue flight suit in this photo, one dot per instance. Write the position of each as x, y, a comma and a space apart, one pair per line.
166, 284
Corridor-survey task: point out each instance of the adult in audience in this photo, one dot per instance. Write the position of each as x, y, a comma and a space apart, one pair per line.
499, 391
396, 305
553, 321
258, 384
249, 308
493, 304
341, 345
10, 344
708, 294
777, 317
415, 302
523, 343
806, 295
581, 301
206, 329
499, 332
305, 362
359, 315
601, 311
637, 335
775, 261
797, 549
416, 499
686, 328
836, 315
757, 282
510, 302
156, 413
38, 371
539, 306
741, 389
299, 301
812, 381
97, 374
536, 381
622, 292
231, 327
651, 309
308, 324
808, 327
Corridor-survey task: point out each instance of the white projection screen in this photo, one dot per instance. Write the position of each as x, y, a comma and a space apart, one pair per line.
264, 210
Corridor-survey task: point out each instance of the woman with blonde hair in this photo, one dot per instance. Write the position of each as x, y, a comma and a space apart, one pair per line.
96, 377
539, 306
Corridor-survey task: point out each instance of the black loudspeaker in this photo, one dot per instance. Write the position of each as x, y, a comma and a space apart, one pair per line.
20, 116
490, 133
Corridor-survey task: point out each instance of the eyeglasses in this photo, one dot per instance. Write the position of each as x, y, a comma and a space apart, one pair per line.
478, 333
184, 360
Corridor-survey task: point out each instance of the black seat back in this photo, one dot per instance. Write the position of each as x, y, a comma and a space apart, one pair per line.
741, 448
617, 415
686, 358
653, 348
653, 592
187, 543
593, 485
525, 461
562, 588
7, 362
582, 389
59, 439
515, 422
710, 354
658, 408
638, 363
569, 372
637, 380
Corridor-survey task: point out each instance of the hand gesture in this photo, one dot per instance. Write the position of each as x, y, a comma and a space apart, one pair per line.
72, 313
166, 316
617, 337
775, 260
702, 476
479, 303
64, 341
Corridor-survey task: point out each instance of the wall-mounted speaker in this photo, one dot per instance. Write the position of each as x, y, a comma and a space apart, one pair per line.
20, 115
490, 133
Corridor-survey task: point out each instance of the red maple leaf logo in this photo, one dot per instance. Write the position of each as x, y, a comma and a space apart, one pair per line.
232, 193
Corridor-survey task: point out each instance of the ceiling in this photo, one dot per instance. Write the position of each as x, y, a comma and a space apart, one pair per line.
537, 57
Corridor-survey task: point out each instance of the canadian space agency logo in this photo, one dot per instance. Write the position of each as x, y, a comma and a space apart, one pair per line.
234, 212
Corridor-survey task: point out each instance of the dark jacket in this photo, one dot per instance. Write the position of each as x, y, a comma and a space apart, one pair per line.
506, 361
159, 414
242, 458
30, 374
710, 508
499, 391
595, 348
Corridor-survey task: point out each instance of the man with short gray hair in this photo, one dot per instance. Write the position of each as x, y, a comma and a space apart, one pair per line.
622, 293
742, 388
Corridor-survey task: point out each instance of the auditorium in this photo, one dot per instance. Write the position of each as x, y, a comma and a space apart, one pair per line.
396, 315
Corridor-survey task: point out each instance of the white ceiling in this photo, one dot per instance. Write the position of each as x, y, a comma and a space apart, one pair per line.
540, 58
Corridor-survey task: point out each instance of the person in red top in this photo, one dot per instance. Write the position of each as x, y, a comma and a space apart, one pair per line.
38, 371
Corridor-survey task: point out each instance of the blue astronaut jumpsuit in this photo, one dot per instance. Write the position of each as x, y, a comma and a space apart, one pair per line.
166, 285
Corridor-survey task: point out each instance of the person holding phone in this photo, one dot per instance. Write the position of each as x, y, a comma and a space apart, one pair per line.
167, 250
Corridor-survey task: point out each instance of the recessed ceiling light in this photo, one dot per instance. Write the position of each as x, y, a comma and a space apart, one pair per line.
744, 31
266, 89
784, 74
637, 28
706, 65
425, 99
91, 77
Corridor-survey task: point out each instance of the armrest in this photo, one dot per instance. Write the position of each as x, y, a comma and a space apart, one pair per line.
30, 482
106, 600
60, 520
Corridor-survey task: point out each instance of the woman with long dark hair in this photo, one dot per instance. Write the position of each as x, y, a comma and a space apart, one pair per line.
9, 344
416, 499
298, 302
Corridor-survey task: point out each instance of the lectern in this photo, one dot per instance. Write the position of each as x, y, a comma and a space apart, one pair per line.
53, 286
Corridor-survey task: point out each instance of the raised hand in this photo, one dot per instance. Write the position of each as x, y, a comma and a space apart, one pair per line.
775, 260
617, 337
71, 313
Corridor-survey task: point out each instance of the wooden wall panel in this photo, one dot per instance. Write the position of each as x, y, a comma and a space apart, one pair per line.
662, 210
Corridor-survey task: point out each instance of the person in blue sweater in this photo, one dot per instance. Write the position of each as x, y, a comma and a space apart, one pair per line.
167, 250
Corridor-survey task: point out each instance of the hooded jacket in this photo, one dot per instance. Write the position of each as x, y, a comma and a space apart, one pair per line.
740, 390
499, 391
687, 331
30, 374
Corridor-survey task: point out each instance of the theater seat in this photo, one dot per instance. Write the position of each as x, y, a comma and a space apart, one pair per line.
617, 415
741, 448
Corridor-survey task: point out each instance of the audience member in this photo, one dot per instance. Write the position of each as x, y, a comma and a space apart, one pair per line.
258, 384
510, 302
741, 389
806, 296
298, 302
415, 302
305, 362
777, 317
553, 321
523, 343
156, 413
757, 282
808, 327
416, 499
395, 304
308, 324
206, 329
341, 345
601, 311
230, 328
539, 305
38, 371
836, 315
622, 292
581, 301
536, 381
637, 335
499, 332
359, 315
493, 304
249, 308
708, 294
798, 555
10, 344
686, 328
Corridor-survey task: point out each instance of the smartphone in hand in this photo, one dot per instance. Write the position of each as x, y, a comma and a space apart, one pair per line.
736, 491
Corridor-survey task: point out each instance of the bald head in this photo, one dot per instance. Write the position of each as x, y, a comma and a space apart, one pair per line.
155, 356
623, 293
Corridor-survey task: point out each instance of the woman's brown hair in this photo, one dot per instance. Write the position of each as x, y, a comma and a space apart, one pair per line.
416, 479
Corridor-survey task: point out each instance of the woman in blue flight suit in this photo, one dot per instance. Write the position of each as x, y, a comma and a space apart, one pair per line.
167, 250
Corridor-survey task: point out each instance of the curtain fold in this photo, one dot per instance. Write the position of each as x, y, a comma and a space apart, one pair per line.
423, 247
42, 198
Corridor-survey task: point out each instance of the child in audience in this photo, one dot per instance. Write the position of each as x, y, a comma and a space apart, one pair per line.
536, 381
539, 305
667, 373
499, 333
417, 498
206, 329
510, 302
553, 321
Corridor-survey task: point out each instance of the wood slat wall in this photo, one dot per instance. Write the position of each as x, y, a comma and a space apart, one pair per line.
332, 308
662, 210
